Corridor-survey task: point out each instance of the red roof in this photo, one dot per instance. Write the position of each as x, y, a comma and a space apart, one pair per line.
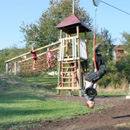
118, 47
71, 22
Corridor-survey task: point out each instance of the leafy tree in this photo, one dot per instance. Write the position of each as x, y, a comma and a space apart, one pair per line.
124, 63
43, 32
9, 53
104, 37
106, 41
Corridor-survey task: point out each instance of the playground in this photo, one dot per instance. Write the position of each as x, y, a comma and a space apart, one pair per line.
34, 100
25, 105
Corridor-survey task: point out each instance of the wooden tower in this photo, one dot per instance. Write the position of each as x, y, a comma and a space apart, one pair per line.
73, 54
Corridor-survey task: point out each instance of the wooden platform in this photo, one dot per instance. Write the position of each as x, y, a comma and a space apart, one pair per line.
68, 88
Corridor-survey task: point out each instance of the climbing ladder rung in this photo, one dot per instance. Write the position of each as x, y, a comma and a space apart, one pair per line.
64, 62
67, 77
70, 56
68, 82
69, 72
69, 67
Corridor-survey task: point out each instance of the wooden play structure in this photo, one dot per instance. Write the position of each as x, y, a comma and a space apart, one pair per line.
73, 60
70, 53
22, 64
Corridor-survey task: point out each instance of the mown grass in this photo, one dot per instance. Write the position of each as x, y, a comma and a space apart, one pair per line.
110, 92
123, 126
23, 100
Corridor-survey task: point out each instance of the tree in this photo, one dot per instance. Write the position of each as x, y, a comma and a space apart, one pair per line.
43, 32
9, 53
124, 63
106, 48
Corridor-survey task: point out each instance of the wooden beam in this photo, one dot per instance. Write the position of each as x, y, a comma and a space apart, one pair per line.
69, 59
68, 38
7, 67
67, 45
59, 66
38, 55
79, 66
69, 88
33, 51
15, 68
86, 44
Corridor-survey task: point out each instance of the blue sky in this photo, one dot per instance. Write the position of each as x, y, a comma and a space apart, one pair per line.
14, 12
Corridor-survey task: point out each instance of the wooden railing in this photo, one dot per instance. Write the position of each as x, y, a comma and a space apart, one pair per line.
13, 64
33, 51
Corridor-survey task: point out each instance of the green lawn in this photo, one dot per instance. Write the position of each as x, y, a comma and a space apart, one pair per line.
22, 100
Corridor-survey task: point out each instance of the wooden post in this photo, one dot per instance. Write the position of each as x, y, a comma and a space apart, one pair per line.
87, 52
61, 33
67, 45
128, 96
86, 44
80, 93
58, 92
69, 92
7, 67
59, 69
79, 66
75, 74
15, 68
62, 75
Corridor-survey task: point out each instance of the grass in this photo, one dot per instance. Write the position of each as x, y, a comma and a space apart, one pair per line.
22, 100
122, 126
110, 92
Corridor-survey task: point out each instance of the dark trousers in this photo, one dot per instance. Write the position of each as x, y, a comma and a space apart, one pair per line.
95, 76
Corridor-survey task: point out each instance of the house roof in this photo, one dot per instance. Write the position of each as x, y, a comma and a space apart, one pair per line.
69, 25
118, 47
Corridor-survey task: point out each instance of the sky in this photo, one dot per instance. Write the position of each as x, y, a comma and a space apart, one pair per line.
14, 12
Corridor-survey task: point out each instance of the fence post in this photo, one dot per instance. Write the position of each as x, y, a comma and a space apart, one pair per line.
129, 90
128, 96
7, 67
15, 68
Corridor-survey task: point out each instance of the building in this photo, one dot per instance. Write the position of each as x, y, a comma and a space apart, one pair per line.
119, 52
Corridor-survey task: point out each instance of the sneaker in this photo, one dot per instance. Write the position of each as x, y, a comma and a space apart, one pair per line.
96, 47
34, 68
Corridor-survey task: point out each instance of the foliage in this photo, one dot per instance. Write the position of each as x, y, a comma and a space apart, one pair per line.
106, 41
124, 63
43, 32
118, 73
9, 53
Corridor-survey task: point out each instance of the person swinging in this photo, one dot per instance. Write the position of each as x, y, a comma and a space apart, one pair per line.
97, 73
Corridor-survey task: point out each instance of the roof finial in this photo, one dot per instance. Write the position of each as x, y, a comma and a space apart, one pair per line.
73, 6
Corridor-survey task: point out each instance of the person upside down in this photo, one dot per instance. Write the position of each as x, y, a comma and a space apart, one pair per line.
93, 77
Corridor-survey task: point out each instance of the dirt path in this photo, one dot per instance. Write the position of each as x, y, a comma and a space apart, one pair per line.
100, 120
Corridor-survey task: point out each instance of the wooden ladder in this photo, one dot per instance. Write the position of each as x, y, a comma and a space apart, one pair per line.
69, 74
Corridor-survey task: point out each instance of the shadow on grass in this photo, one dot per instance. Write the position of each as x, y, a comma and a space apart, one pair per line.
18, 97
121, 116
51, 87
8, 112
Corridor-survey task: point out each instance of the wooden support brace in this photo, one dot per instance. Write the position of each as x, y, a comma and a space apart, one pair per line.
7, 68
